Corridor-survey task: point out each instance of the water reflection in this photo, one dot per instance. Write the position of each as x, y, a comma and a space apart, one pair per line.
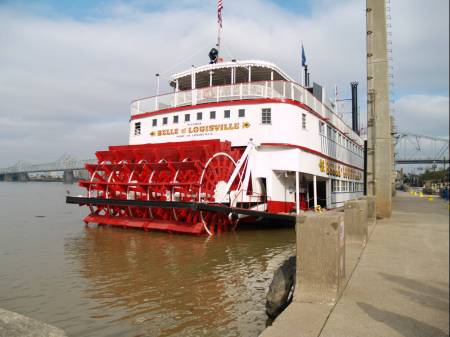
175, 285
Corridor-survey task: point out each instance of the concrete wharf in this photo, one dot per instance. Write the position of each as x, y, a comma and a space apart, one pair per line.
398, 285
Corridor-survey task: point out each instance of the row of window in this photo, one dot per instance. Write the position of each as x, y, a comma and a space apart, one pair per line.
340, 139
199, 117
266, 118
346, 186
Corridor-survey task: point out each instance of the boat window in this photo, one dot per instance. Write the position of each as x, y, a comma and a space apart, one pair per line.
303, 121
226, 114
137, 128
165, 120
266, 116
199, 116
321, 127
187, 117
241, 113
212, 115
175, 119
154, 122
334, 185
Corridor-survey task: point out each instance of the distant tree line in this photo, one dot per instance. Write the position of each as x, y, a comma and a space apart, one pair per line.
419, 179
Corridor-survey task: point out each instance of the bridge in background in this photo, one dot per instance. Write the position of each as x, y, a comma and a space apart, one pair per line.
409, 149
65, 164
420, 149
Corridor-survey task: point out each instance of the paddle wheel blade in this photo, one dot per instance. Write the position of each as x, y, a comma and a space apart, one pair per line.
172, 172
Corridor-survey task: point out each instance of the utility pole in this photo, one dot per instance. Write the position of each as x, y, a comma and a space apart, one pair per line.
394, 172
379, 160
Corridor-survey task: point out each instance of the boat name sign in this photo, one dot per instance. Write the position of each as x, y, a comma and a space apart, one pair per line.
200, 129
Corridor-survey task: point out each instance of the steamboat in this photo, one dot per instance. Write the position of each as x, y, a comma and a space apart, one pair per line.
234, 140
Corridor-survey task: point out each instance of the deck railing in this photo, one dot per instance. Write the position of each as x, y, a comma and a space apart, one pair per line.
340, 152
241, 91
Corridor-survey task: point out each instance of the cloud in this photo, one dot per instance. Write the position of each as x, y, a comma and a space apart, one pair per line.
420, 45
67, 82
423, 115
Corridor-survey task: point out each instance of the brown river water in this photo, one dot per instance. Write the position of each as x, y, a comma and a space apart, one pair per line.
102, 281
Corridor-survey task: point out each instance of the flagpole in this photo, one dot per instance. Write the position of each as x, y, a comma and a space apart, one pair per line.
304, 67
219, 29
219, 23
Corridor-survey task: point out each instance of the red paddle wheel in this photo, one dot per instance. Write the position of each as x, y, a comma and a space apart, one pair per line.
169, 174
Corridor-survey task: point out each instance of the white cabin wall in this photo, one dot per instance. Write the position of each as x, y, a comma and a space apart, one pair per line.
286, 127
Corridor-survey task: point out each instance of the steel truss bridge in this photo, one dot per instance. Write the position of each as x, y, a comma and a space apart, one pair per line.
66, 163
420, 149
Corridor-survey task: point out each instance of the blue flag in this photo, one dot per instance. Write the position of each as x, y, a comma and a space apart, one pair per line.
303, 57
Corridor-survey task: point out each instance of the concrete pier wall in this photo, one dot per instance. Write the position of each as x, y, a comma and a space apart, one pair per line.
329, 246
397, 285
320, 258
356, 221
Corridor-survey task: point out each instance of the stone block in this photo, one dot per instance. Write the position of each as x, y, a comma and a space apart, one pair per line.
371, 206
356, 221
320, 258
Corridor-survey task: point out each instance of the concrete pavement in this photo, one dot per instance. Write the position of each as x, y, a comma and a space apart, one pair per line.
400, 287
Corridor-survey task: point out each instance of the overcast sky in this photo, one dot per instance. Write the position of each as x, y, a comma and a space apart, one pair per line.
68, 69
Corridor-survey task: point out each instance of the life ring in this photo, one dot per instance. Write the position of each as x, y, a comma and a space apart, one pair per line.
281, 290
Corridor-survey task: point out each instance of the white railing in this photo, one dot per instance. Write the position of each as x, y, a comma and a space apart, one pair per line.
241, 91
340, 152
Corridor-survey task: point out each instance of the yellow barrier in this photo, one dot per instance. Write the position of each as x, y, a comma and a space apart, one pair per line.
430, 198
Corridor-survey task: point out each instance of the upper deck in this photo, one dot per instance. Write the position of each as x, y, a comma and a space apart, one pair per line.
292, 109
281, 90
223, 73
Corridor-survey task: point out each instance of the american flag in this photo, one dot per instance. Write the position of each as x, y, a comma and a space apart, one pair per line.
219, 12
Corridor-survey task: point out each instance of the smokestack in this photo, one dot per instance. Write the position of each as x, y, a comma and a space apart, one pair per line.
355, 125
306, 76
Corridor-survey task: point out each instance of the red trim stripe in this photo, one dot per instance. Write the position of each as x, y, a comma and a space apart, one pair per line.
307, 149
239, 102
